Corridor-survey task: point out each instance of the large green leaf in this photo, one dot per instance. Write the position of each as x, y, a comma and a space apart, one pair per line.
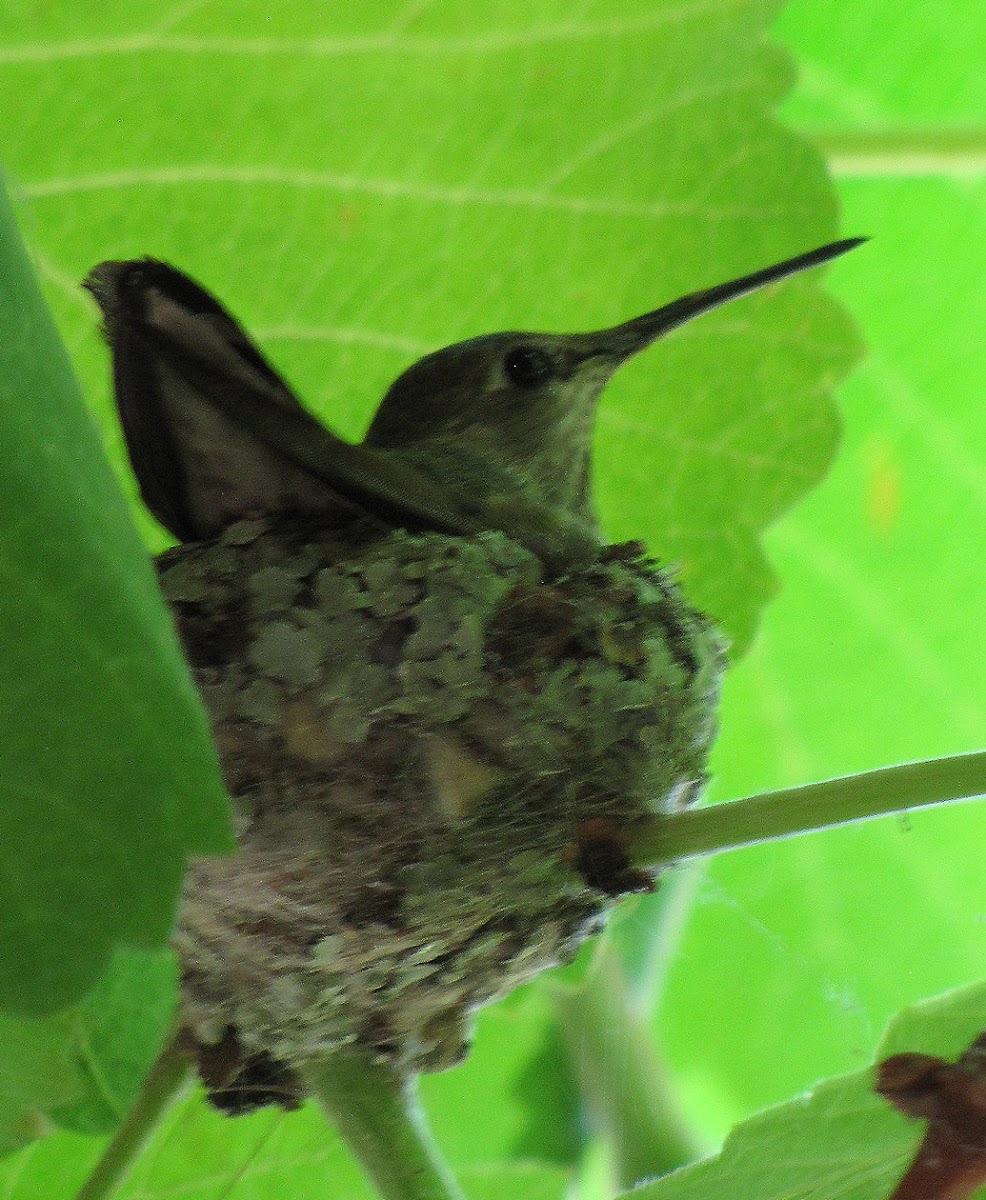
366, 184
109, 778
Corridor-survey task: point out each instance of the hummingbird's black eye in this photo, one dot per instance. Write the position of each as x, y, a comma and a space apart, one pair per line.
527, 366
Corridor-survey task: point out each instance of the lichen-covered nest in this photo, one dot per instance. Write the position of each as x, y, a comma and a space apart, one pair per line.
436, 750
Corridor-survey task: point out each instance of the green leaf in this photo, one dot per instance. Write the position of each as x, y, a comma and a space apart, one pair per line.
208, 1156
109, 777
83, 1067
370, 185
37, 1075
841, 1142
903, 69
513, 1097
528, 1180
118, 1030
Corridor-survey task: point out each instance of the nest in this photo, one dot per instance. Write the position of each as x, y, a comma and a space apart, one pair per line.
436, 752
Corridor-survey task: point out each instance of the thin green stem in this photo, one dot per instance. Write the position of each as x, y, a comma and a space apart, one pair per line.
621, 1078
377, 1113
163, 1085
811, 807
903, 152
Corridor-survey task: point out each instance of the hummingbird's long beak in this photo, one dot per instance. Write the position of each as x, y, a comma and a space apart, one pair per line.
623, 341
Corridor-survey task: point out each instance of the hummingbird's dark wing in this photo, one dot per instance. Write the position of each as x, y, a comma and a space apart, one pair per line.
212, 430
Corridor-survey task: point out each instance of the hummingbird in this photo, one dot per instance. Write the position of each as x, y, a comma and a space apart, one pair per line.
490, 433
327, 696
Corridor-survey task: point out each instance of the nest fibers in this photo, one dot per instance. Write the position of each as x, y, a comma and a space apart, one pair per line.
436, 757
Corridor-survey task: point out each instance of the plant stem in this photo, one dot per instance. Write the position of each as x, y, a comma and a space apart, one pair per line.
377, 1113
903, 152
621, 1078
813, 806
160, 1089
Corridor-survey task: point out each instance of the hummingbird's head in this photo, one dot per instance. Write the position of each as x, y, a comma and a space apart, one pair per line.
504, 410
515, 411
